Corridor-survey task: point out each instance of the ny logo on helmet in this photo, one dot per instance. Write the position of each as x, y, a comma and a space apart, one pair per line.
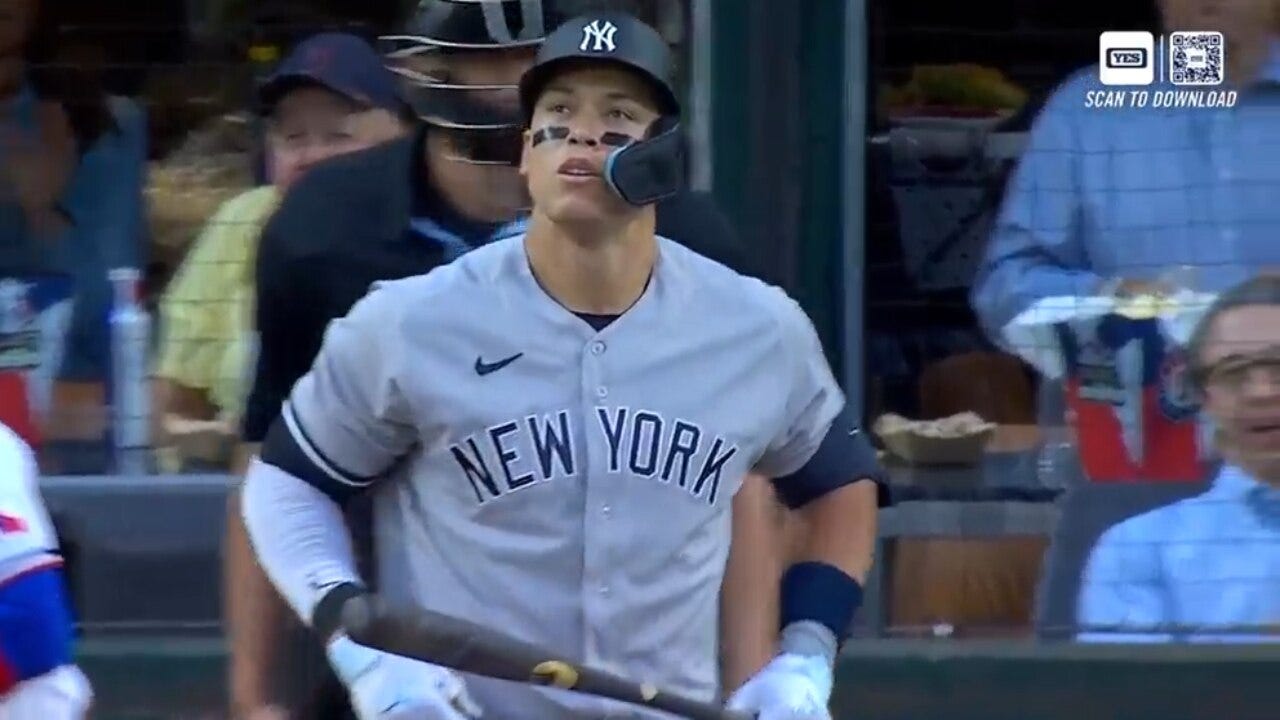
598, 37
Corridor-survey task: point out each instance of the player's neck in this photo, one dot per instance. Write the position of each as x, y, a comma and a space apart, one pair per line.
589, 271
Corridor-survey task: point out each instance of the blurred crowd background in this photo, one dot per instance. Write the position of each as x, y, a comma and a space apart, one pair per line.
1013, 285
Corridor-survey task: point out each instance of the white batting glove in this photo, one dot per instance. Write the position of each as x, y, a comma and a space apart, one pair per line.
390, 687
790, 687
61, 694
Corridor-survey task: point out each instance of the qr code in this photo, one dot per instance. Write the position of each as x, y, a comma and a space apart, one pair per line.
1197, 58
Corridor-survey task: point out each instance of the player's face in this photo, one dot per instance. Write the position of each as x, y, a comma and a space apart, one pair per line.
311, 125
566, 176
1242, 385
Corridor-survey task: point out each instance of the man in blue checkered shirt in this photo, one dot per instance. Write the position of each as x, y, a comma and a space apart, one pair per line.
1108, 200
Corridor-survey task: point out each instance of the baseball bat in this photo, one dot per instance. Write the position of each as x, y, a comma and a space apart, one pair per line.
467, 647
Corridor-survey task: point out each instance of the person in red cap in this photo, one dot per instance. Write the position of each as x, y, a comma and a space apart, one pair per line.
330, 96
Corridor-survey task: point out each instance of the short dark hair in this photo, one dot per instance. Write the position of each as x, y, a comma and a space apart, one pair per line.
1260, 290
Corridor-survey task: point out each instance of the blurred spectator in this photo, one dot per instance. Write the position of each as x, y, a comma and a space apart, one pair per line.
1112, 199
213, 163
331, 96
1129, 201
1202, 568
71, 175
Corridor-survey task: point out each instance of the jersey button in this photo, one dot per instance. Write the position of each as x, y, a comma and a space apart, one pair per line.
597, 348
602, 392
604, 590
605, 510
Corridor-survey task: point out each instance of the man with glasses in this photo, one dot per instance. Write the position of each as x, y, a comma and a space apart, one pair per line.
1207, 569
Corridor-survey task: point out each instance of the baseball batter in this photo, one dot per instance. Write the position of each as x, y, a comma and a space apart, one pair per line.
554, 427
37, 676
407, 206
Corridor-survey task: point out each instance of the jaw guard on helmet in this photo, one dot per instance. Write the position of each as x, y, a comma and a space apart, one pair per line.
651, 169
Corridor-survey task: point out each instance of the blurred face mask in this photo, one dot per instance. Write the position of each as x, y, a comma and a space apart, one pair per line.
469, 95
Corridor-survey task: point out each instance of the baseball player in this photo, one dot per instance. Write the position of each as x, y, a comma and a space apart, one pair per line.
554, 425
399, 210
38, 678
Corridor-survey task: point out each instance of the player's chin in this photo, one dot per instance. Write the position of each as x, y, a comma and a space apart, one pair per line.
582, 205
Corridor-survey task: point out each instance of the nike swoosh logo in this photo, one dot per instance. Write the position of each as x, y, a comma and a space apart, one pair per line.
483, 368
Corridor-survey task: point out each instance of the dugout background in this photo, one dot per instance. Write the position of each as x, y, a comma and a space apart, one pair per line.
792, 123
911, 323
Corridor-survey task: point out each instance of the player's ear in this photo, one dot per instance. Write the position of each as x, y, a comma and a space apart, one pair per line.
527, 135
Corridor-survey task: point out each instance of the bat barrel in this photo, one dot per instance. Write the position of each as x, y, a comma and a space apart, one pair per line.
471, 648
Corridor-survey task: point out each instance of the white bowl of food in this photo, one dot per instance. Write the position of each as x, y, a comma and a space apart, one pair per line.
960, 439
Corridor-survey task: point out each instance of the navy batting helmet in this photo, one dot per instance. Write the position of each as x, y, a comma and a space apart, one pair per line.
610, 37
641, 170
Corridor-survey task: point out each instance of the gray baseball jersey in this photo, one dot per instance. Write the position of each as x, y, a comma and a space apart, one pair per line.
569, 486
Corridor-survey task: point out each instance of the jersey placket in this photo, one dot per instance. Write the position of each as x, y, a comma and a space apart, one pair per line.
597, 590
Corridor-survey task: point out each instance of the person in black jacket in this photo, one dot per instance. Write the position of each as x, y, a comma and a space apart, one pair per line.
398, 210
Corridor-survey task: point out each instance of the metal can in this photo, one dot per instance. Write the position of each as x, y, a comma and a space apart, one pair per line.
130, 327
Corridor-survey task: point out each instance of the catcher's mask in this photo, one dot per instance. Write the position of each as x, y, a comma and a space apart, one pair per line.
483, 121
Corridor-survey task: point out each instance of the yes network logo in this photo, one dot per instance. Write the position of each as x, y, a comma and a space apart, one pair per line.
1194, 58
1126, 58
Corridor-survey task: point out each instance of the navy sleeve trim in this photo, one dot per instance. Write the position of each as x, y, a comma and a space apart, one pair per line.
288, 447
844, 457
326, 618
